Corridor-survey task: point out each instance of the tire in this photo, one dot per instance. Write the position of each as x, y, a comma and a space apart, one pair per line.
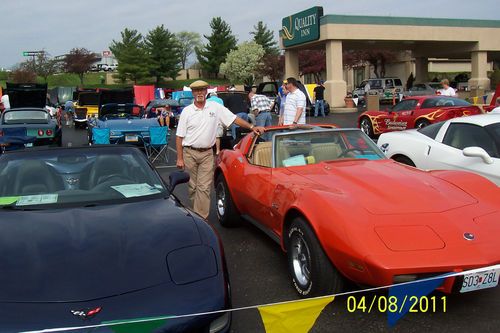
421, 123
366, 126
404, 160
227, 212
312, 272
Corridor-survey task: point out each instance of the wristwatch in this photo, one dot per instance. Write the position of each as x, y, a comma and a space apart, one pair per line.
252, 126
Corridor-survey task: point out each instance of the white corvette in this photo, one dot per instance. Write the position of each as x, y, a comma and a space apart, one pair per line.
466, 143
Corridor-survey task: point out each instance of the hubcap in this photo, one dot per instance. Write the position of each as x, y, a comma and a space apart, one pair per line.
365, 126
221, 200
301, 260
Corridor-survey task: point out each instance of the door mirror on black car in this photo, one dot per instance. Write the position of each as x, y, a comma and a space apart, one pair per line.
176, 178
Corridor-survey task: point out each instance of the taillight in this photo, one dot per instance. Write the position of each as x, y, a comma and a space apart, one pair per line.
48, 132
40, 132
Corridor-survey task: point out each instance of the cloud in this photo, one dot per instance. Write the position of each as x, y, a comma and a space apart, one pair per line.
57, 26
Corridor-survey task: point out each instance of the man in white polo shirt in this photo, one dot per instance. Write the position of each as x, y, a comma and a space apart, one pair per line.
295, 104
196, 134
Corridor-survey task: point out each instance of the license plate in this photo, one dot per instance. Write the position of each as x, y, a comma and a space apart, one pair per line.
482, 280
28, 145
131, 138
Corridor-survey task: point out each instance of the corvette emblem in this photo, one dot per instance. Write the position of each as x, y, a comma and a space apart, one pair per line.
86, 314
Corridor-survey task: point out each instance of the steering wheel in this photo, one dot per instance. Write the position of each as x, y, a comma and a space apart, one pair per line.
113, 176
345, 152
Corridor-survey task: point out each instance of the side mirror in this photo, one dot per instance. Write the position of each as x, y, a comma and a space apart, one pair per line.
176, 178
478, 152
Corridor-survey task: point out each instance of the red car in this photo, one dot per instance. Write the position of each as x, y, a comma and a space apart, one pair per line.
341, 210
415, 112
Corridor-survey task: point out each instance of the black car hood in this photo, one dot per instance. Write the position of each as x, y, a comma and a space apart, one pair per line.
88, 253
27, 95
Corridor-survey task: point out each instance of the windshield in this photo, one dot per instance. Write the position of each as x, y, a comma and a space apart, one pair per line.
76, 177
494, 131
116, 111
303, 148
26, 117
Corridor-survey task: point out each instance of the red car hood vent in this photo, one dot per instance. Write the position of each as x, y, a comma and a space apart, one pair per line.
386, 187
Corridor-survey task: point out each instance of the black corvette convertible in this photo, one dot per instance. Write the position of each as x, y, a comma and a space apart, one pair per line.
92, 235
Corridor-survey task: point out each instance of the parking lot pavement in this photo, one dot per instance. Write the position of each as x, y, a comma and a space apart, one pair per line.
258, 273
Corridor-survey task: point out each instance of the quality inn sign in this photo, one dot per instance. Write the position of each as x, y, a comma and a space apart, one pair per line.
301, 27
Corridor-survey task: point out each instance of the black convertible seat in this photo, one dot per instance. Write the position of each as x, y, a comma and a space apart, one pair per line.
105, 166
36, 177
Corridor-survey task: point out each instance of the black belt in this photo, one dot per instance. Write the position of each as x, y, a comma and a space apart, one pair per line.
198, 149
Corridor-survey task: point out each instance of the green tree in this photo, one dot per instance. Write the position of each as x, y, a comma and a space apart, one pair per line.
133, 60
164, 54
243, 63
220, 42
188, 41
45, 66
263, 36
78, 61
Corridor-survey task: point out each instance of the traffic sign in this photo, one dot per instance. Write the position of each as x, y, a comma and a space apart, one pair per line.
32, 53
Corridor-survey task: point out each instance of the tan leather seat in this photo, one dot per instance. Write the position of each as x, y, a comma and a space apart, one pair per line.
326, 151
262, 155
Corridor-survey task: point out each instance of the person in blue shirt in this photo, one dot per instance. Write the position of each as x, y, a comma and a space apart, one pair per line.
69, 110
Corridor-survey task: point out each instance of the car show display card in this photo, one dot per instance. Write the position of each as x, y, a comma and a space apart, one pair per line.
8, 200
136, 190
39, 199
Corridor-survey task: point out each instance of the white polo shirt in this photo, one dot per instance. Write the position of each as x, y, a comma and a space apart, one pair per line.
448, 92
294, 100
198, 127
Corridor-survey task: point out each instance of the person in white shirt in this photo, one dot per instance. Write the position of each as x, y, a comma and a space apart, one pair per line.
295, 104
447, 90
497, 107
5, 102
196, 134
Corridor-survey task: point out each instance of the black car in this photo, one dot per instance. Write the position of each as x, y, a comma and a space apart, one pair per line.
93, 234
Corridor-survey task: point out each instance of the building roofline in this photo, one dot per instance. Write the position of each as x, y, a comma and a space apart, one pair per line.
412, 21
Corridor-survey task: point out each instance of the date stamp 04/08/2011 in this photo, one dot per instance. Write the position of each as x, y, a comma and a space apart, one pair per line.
393, 304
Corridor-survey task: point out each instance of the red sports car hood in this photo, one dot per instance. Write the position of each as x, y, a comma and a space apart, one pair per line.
386, 187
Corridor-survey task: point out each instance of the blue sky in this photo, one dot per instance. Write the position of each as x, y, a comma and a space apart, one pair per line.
57, 26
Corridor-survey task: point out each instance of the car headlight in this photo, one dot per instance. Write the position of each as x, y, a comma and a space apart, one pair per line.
113, 133
192, 264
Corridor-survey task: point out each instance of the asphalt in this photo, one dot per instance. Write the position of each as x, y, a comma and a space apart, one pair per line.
259, 275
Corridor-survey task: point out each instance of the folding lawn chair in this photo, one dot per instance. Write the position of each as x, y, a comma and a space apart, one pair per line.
157, 147
100, 136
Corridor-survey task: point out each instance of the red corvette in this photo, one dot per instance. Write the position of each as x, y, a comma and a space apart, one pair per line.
415, 112
341, 210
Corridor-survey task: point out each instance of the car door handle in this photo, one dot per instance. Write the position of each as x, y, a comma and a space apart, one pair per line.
274, 205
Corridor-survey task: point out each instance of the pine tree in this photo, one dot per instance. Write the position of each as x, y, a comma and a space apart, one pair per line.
220, 42
164, 54
265, 37
133, 60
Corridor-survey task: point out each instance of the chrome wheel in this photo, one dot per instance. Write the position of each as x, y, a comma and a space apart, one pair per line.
221, 199
301, 260
366, 126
